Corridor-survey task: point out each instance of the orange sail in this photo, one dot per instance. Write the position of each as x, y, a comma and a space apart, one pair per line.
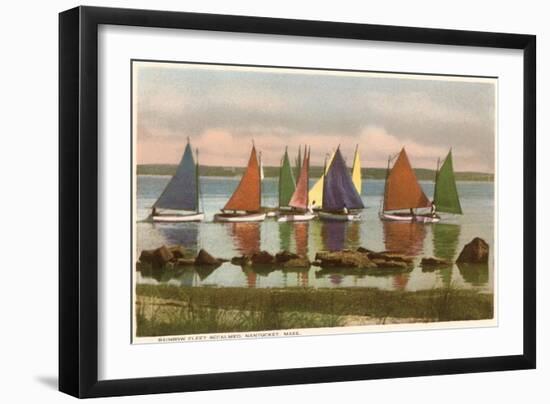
247, 196
402, 188
299, 198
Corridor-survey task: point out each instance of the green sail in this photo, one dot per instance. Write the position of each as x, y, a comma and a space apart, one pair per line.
445, 193
286, 182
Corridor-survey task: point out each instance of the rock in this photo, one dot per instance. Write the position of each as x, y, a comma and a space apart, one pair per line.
390, 256
284, 256
178, 251
161, 256
299, 262
142, 266
243, 260
204, 258
392, 264
475, 252
344, 259
434, 262
262, 258
185, 262
146, 256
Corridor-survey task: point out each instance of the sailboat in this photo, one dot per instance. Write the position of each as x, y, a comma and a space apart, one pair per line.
341, 201
299, 201
316, 192
402, 191
445, 193
245, 203
181, 193
287, 185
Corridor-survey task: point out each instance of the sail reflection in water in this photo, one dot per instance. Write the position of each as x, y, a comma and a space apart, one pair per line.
335, 236
185, 234
445, 240
445, 243
406, 238
246, 237
301, 233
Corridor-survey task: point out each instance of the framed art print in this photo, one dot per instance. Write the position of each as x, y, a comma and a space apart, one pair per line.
249, 201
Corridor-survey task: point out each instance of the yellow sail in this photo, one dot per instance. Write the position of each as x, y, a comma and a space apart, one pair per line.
315, 195
356, 171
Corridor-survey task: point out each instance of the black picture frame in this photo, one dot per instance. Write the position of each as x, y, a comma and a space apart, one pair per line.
78, 200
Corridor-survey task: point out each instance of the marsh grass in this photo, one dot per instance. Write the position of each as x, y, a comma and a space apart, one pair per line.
172, 310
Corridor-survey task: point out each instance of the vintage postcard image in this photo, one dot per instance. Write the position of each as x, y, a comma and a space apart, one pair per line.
279, 201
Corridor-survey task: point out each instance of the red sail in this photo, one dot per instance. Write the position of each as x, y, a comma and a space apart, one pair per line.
402, 188
247, 196
299, 198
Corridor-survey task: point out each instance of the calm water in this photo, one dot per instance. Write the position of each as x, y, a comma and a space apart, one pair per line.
444, 239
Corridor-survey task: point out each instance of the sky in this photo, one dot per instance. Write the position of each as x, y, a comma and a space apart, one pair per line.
222, 109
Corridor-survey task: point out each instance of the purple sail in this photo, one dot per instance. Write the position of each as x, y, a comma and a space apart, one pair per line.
338, 189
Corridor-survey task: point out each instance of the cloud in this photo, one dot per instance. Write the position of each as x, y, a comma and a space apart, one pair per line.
223, 110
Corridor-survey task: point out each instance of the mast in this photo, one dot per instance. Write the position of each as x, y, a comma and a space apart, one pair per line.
197, 180
307, 178
260, 179
435, 180
386, 183
324, 180
280, 176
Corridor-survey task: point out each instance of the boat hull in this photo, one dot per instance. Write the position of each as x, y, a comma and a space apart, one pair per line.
299, 217
192, 217
339, 217
236, 218
406, 217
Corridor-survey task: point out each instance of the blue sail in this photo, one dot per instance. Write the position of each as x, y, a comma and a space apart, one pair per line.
181, 193
338, 189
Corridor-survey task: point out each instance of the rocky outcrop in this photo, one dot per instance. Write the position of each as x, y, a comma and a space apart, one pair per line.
475, 252
391, 264
243, 260
262, 258
178, 251
433, 262
283, 259
287, 259
205, 258
362, 258
184, 262
167, 257
156, 258
389, 256
344, 259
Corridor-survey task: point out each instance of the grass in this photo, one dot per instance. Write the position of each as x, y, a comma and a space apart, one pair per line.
172, 310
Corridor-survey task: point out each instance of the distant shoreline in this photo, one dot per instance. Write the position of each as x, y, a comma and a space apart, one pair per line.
315, 172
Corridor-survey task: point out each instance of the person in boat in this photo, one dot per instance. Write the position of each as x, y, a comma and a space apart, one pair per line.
411, 210
345, 210
154, 211
432, 210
